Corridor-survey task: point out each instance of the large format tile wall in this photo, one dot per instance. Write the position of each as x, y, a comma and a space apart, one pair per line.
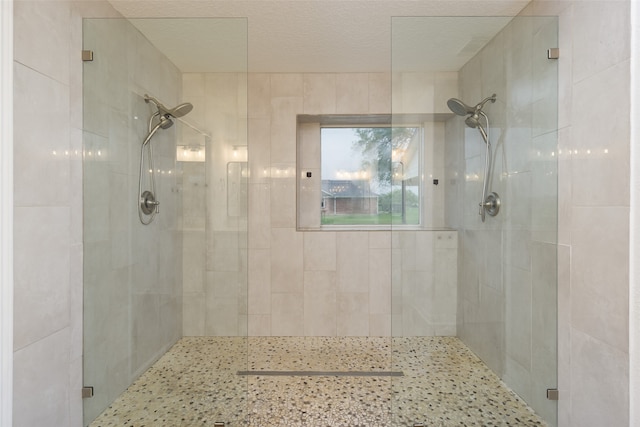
336, 283
48, 213
593, 261
215, 206
48, 359
132, 272
594, 200
507, 286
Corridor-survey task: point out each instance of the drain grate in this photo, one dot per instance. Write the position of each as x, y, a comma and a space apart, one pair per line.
322, 373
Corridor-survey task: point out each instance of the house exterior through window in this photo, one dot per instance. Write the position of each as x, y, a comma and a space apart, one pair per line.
369, 175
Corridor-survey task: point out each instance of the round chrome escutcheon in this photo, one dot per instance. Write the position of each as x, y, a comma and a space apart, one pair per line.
148, 203
492, 204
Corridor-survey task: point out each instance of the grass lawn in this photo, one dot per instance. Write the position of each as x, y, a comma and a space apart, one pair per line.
413, 218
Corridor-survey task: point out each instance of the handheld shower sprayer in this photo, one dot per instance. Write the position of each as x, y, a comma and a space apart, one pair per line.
489, 203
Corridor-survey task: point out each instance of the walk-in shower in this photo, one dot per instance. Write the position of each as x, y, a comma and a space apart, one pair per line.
148, 205
221, 286
489, 203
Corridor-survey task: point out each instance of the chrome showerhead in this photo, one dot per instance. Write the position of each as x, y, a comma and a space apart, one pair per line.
181, 110
459, 107
462, 109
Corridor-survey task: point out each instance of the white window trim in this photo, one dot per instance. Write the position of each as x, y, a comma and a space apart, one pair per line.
308, 161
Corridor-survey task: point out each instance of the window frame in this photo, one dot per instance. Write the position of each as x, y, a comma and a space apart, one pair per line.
420, 153
309, 145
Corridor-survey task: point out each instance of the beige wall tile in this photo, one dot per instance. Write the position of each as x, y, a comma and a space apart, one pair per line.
259, 281
193, 270
259, 325
286, 85
600, 381
283, 128
320, 303
260, 150
418, 90
353, 261
192, 85
594, 170
599, 292
41, 238
259, 95
44, 177
221, 316
446, 86
283, 197
46, 51
193, 320
320, 251
352, 93
287, 314
319, 93
380, 281
259, 222
379, 93
380, 325
41, 382
286, 261
608, 23
353, 314
380, 239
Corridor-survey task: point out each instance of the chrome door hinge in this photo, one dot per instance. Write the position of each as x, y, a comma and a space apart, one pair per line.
552, 394
87, 55
87, 392
553, 53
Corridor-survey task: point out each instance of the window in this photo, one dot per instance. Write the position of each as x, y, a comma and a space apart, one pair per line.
370, 175
361, 172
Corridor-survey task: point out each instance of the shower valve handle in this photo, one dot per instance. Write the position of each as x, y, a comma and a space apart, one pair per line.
491, 204
148, 203
154, 203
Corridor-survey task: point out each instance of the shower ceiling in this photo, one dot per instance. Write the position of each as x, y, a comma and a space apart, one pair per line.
316, 35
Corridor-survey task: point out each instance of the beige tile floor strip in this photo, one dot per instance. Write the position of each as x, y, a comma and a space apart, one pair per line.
196, 384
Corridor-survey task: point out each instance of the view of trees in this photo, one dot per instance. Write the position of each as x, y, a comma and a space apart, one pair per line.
377, 145
380, 153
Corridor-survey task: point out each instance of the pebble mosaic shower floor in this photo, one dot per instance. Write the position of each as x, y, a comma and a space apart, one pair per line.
196, 383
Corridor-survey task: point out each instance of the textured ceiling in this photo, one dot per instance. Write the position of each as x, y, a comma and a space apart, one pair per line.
318, 35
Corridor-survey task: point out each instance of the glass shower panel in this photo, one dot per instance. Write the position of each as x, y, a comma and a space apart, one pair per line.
148, 287
461, 285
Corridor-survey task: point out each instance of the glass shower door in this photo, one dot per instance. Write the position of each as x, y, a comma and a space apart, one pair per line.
158, 296
132, 272
472, 296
